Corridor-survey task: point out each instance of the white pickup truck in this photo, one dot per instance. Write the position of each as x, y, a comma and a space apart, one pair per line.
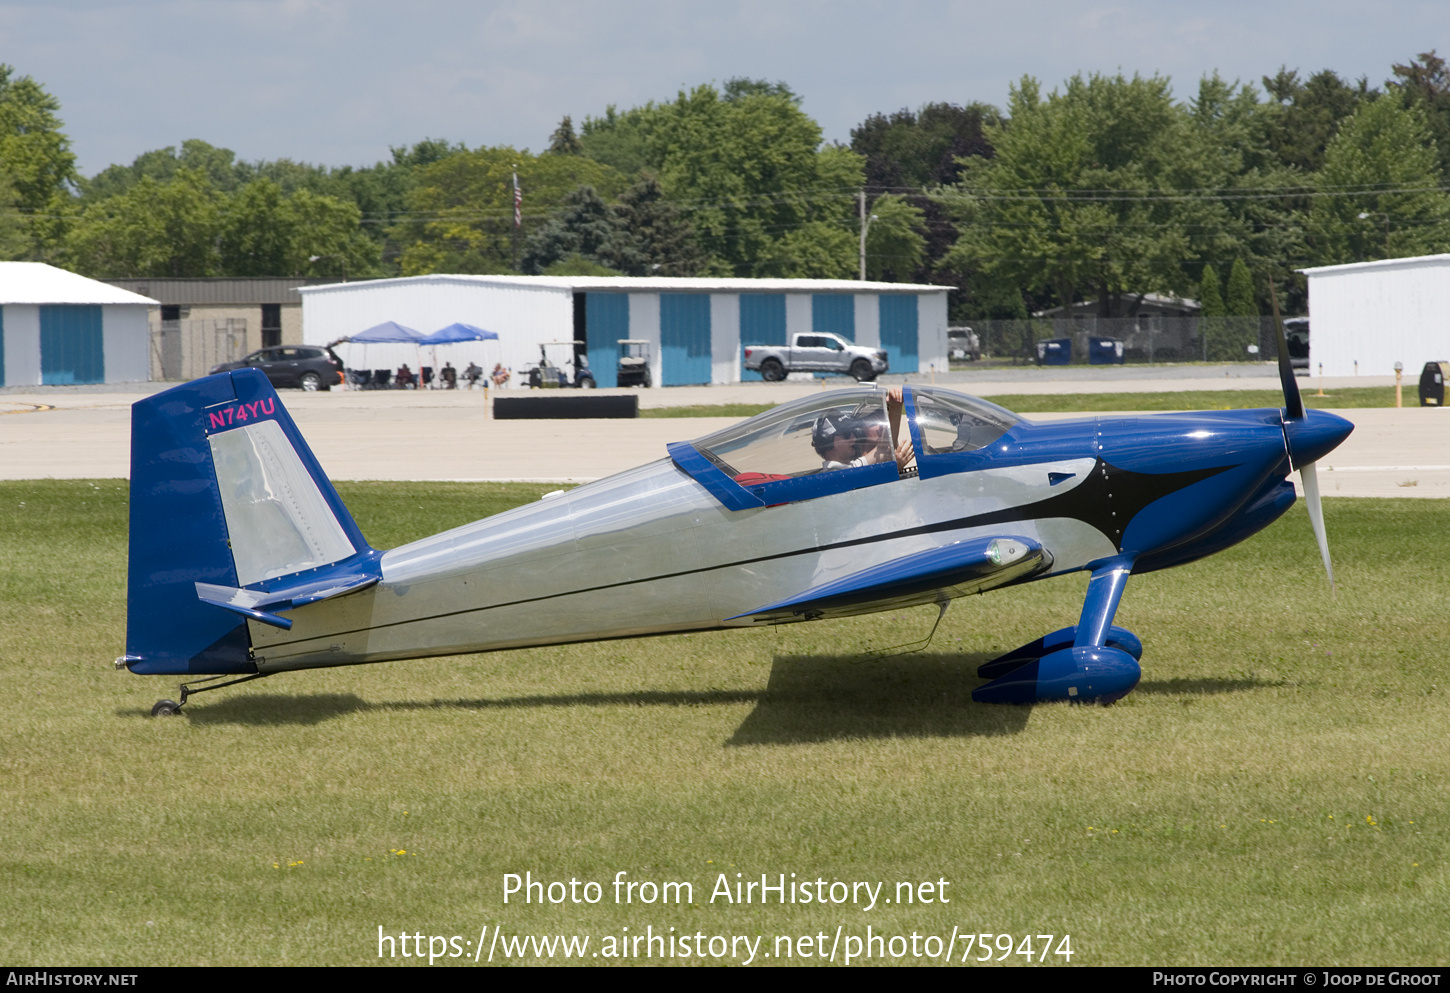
815, 352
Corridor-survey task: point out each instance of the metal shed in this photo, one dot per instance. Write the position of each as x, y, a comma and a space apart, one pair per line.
203, 321
696, 325
58, 328
1379, 313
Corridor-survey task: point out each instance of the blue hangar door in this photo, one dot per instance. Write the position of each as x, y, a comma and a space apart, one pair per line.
899, 331
834, 313
685, 338
762, 322
71, 349
606, 320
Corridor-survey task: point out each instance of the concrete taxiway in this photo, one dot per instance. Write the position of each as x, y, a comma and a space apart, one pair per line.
83, 433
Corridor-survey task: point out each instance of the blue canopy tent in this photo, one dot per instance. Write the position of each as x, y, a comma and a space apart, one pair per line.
455, 333
387, 333
390, 332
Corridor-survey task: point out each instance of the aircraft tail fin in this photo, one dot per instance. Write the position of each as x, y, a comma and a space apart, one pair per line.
232, 520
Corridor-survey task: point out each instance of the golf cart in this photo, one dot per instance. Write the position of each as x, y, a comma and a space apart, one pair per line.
548, 376
633, 369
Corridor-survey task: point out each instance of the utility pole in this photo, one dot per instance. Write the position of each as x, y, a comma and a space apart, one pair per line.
861, 195
865, 225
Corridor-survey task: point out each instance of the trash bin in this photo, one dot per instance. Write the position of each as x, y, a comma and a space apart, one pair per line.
1058, 351
1105, 351
1432, 384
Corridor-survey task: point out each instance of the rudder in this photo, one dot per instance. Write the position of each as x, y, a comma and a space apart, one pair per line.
231, 518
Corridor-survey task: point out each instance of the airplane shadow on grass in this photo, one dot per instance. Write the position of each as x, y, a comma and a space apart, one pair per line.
823, 698
262, 709
808, 698
1204, 687
314, 708
815, 698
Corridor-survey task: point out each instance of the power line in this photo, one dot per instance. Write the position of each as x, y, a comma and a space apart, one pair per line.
944, 195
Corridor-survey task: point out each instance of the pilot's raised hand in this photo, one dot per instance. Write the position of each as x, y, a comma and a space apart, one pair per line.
904, 453
895, 403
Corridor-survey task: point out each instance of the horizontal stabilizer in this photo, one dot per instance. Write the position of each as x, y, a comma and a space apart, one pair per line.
355, 574
958, 569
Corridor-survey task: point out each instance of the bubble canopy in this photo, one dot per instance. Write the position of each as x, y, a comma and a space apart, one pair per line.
785, 454
948, 422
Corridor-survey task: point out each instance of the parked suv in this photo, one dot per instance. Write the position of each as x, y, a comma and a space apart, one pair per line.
306, 366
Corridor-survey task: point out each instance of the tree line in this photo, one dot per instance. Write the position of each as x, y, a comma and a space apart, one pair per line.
1106, 188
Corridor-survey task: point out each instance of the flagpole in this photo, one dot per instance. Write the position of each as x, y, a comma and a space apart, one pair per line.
518, 219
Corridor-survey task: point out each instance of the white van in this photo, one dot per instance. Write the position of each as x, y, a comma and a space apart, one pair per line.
963, 345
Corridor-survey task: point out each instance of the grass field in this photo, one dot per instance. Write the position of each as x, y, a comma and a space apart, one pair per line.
1034, 403
1275, 791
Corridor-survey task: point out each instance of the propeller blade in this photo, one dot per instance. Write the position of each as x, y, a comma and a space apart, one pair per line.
1293, 402
1310, 478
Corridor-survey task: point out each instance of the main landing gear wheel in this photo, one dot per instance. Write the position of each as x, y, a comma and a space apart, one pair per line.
166, 708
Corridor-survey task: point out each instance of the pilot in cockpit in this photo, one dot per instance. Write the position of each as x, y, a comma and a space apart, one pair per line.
848, 440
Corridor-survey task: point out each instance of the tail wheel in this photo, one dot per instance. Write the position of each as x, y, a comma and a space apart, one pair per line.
166, 708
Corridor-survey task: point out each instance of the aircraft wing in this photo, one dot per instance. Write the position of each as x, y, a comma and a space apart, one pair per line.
958, 569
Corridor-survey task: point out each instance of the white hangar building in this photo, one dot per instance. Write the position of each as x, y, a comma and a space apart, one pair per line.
697, 326
1379, 313
57, 328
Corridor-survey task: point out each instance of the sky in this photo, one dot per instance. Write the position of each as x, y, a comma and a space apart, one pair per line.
340, 82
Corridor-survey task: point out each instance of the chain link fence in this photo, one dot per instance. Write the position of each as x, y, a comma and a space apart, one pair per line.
1145, 339
185, 349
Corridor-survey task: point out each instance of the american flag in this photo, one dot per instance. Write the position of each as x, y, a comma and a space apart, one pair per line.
518, 203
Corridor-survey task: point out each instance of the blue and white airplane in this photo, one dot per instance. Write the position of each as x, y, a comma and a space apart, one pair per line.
245, 563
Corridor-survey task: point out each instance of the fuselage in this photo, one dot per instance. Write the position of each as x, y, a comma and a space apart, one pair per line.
654, 550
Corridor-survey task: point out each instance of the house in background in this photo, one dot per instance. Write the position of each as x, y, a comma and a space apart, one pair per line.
60, 329
1153, 328
1152, 305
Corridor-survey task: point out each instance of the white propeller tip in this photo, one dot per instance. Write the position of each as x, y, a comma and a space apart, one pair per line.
1309, 477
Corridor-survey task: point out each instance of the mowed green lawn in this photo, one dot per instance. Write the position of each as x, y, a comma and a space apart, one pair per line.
1275, 790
